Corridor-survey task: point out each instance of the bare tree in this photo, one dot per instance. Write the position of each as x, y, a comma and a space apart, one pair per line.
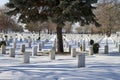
108, 15
68, 27
7, 23
52, 27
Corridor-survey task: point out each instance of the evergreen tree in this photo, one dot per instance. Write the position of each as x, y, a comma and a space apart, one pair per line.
58, 11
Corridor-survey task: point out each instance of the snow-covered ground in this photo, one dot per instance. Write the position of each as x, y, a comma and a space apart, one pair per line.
98, 67
64, 67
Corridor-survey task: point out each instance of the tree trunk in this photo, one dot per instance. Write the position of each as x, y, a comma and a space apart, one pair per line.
0, 30
59, 39
50, 31
108, 33
39, 32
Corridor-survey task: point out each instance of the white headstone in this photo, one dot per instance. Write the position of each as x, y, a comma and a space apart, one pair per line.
29, 39
119, 48
83, 46
34, 51
23, 48
106, 49
15, 40
91, 50
8, 42
70, 48
26, 57
42, 43
81, 60
67, 44
54, 45
116, 44
10, 39
20, 39
29, 44
73, 52
14, 45
33, 41
39, 47
52, 53
12, 52
3, 49
78, 44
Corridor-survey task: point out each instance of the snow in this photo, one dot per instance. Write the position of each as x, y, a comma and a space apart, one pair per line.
64, 67
98, 67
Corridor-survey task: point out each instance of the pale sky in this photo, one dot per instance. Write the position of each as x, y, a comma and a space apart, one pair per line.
2, 2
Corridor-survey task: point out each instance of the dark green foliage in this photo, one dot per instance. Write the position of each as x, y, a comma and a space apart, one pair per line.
91, 42
58, 11
96, 48
6, 36
2, 43
38, 38
81, 47
29, 37
94, 1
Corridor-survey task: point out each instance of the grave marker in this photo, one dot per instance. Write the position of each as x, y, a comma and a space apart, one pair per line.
12, 52
81, 60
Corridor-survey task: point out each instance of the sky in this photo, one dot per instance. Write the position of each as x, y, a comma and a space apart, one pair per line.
2, 2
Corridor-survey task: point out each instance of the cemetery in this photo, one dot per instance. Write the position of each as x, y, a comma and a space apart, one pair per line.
26, 54
59, 39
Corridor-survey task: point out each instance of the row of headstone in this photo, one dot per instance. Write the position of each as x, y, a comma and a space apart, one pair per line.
26, 56
83, 45
106, 49
24, 37
14, 43
91, 50
81, 57
29, 44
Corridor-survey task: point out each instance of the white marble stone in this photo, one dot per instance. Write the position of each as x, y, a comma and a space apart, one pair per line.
29, 44
23, 48
14, 45
119, 48
106, 49
34, 51
81, 60
12, 52
26, 57
73, 52
91, 50
52, 53
3, 49
70, 48
39, 47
